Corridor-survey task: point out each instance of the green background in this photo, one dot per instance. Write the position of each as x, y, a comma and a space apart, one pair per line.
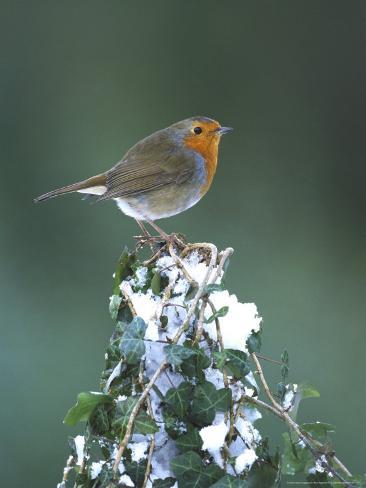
80, 83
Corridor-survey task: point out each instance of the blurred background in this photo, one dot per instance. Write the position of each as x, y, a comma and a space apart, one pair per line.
83, 81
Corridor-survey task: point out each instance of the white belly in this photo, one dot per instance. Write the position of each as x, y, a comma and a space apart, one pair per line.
127, 209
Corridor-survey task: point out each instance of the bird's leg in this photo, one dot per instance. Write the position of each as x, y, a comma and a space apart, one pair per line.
173, 238
143, 228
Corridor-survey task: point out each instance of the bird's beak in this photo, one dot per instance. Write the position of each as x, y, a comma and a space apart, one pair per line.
224, 130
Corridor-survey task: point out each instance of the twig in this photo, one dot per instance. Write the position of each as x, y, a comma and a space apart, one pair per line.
200, 322
264, 383
278, 410
69, 463
152, 442
270, 360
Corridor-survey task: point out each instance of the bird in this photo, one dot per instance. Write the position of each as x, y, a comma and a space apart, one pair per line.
160, 176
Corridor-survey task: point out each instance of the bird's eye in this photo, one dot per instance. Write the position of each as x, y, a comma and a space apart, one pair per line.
197, 130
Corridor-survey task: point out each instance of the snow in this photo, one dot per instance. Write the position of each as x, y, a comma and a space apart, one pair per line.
236, 326
138, 450
245, 460
96, 468
248, 432
126, 480
79, 446
214, 376
213, 436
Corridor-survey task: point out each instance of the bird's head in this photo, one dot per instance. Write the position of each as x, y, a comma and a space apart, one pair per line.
201, 134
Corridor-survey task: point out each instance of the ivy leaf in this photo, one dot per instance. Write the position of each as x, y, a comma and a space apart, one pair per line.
190, 471
294, 457
191, 441
212, 288
164, 483
254, 342
303, 390
219, 313
284, 365
136, 471
99, 420
105, 477
262, 474
145, 424
206, 400
229, 481
176, 354
132, 345
84, 407
186, 464
233, 361
318, 430
194, 368
156, 283
178, 399
123, 269
122, 413
114, 305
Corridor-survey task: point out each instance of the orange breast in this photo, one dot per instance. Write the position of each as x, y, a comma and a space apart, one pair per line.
208, 148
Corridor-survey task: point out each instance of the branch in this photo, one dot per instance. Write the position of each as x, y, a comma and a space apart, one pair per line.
306, 438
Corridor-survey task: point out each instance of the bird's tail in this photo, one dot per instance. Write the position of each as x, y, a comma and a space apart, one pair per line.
94, 185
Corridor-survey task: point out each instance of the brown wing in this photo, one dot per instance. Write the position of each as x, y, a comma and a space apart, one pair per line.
151, 164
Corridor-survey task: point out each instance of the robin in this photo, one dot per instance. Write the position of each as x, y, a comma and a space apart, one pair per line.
160, 176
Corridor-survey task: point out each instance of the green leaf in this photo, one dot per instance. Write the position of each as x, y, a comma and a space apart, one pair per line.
254, 342
114, 305
190, 471
132, 345
105, 478
164, 483
176, 354
178, 399
123, 269
262, 474
122, 414
156, 283
303, 390
233, 362
191, 441
229, 481
223, 399
84, 407
294, 457
212, 288
136, 471
318, 430
99, 419
185, 464
145, 424
206, 400
219, 313
194, 368
284, 365
163, 321
173, 425
307, 391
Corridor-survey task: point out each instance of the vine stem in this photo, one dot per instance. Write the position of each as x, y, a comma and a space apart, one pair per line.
164, 364
310, 443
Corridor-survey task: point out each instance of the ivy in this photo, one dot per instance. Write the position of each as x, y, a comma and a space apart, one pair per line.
132, 345
163, 429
